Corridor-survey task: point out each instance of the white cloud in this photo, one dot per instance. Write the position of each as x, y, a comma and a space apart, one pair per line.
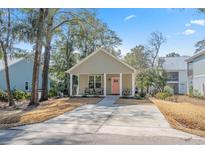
200, 22
188, 25
189, 32
129, 17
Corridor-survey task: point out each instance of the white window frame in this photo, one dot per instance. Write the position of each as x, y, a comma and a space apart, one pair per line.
98, 81
95, 80
89, 80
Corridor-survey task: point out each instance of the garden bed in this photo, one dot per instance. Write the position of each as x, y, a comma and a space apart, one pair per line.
10, 117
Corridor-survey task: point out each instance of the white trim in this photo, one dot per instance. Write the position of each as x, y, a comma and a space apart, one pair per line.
133, 84
105, 90
120, 84
199, 76
68, 84
95, 79
195, 56
71, 84
172, 81
174, 70
95, 52
78, 84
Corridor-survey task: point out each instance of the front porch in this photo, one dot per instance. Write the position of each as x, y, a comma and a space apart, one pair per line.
121, 84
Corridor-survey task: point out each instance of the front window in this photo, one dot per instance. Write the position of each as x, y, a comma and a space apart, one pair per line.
173, 76
98, 81
91, 82
26, 86
95, 81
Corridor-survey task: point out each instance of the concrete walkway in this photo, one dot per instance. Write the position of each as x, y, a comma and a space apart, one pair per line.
108, 101
102, 123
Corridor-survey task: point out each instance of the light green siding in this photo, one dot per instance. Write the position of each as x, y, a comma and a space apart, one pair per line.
101, 63
127, 82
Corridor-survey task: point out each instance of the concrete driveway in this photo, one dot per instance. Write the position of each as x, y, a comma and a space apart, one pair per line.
103, 123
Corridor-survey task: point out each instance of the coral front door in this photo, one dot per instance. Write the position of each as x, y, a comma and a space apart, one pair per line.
115, 85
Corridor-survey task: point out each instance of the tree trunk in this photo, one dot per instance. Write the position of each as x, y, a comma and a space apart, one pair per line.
37, 58
44, 95
4, 49
10, 96
69, 49
154, 58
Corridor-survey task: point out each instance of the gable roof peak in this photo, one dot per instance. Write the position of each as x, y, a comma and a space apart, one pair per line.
103, 51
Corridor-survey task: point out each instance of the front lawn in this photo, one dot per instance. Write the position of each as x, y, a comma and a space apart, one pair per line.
185, 116
10, 117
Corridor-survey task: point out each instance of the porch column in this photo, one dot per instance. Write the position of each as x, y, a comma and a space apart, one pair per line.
120, 84
68, 83
78, 84
133, 84
71, 84
105, 84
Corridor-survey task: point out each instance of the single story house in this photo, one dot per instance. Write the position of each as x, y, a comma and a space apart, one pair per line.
103, 74
196, 72
20, 71
176, 69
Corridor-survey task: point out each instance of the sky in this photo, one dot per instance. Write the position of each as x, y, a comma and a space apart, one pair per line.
182, 27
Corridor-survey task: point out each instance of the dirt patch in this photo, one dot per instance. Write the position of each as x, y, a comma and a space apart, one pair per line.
45, 111
187, 117
131, 101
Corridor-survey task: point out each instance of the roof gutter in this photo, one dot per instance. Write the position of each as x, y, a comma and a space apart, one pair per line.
195, 56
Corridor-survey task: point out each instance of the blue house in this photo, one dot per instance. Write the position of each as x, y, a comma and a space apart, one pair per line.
20, 71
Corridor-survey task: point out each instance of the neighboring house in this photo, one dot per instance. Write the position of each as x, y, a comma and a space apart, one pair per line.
196, 72
101, 73
176, 69
20, 73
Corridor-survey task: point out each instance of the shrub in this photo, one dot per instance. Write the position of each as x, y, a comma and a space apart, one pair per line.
27, 95
126, 92
191, 90
3, 96
169, 90
52, 93
197, 94
19, 95
142, 94
162, 95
